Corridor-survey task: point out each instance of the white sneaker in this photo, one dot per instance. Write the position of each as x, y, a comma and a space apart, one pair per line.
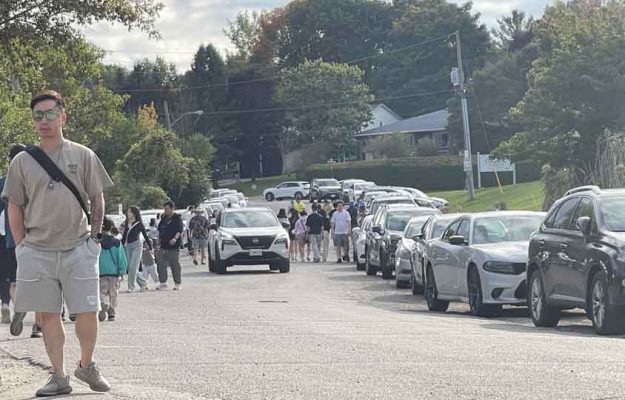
177, 287
162, 286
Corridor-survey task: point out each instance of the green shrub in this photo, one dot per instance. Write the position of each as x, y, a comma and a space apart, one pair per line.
425, 173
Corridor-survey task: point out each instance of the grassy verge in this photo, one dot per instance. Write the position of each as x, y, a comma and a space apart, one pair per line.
524, 196
253, 189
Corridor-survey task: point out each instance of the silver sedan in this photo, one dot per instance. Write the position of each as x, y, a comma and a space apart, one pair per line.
481, 259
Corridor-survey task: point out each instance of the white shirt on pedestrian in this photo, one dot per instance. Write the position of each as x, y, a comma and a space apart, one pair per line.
342, 222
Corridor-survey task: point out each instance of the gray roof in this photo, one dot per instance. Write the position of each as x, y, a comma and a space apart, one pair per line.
433, 122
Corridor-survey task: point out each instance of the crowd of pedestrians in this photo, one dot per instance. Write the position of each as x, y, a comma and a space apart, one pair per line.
311, 230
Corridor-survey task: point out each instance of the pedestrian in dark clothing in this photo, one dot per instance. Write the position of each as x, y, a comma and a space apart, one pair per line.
170, 231
314, 224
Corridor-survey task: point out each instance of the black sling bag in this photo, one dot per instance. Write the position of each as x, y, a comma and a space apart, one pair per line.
57, 175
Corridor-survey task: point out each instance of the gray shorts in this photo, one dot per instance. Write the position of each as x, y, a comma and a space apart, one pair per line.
45, 278
200, 243
341, 240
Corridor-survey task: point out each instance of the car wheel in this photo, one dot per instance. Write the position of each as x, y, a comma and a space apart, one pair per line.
606, 318
269, 196
477, 307
416, 288
285, 267
387, 273
369, 269
220, 265
431, 294
541, 313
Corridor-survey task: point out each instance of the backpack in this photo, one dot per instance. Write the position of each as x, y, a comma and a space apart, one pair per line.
199, 229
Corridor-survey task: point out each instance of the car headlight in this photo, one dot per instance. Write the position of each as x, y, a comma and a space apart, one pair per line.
282, 240
503, 267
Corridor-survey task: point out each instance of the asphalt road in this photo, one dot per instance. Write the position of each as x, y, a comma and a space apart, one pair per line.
326, 331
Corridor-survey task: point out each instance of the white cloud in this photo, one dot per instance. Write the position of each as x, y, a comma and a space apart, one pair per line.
186, 24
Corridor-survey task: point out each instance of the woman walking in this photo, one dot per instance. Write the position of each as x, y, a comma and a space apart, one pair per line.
301, 234
133, 227
293, 218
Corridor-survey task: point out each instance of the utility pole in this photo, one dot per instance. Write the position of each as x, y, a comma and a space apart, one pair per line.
468, 160
167, 117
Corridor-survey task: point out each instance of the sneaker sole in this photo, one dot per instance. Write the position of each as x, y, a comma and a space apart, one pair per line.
94, 388
17, 325
67, 390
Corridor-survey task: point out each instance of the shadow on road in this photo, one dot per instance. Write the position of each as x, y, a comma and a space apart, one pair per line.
205, 273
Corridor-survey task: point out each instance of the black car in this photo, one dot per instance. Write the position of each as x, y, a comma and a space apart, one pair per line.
577, 260
322, 189
387, 229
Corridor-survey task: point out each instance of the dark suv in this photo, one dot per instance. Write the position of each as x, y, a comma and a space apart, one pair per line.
577, 260
387, 229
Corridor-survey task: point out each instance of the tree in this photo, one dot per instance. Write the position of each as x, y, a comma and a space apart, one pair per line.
305, 91
245, 33
514, 31
577, 88
421, 53
389, 146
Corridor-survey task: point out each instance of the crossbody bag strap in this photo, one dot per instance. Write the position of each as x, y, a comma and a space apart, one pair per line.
57, 175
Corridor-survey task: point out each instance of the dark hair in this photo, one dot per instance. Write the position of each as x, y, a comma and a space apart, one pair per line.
47, 95
135, 212
282, 213
170, 204
303, 213
15, 150
315, 206
323, 212
152, 221
107, 224
114, 231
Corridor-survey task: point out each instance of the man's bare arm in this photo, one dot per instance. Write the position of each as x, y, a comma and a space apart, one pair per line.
16, 222
97, 214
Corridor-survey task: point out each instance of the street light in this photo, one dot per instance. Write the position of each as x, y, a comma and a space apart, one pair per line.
171, 124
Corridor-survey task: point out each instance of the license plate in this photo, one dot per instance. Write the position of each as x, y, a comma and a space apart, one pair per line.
256, 253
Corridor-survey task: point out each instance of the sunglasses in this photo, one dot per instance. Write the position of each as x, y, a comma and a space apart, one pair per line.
49, 115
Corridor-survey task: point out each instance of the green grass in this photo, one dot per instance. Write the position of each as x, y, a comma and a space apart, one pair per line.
253, 189
524, 196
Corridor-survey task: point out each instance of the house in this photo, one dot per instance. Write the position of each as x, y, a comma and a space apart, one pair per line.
432, 125
381, 116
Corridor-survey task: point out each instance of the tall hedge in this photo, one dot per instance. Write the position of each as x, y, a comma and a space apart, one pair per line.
425, 173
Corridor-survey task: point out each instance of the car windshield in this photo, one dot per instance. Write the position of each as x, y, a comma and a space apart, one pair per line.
414, 226
515, 228
328, 182
248, 219
397, 220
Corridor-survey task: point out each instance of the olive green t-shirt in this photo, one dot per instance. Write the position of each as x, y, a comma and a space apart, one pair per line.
53, 217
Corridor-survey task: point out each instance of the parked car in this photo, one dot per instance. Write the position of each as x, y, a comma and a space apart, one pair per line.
213, 208
359, 188
360, 242
438, 202
218, 193
347, 188
248, 236
233, 200
387, 228
432, 230
321, 189
223, 200
577, 260
378, 202
405, 248
481, 260
287, 190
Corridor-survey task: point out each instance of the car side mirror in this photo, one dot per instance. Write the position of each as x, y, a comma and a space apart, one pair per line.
286, 225
213, 227
584, 225
377, 229
417, 237
458, 240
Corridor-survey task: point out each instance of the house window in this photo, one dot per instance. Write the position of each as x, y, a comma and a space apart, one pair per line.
441, 140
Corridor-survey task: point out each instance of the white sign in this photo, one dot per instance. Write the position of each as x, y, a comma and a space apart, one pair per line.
486, 164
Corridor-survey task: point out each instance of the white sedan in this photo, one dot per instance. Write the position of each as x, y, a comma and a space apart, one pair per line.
481, 259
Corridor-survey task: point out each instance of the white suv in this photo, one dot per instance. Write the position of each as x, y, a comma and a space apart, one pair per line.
287, 190
248, 236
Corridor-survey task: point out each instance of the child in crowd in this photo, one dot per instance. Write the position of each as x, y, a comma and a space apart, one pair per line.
113, 266
149, 266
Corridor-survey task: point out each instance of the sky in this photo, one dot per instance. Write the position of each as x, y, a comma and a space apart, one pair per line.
186, 24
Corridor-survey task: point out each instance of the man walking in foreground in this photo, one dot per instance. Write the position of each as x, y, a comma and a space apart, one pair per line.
170, 231
57, 254
341, 231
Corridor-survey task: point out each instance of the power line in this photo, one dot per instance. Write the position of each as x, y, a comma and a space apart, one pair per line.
275, 77
324, 105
